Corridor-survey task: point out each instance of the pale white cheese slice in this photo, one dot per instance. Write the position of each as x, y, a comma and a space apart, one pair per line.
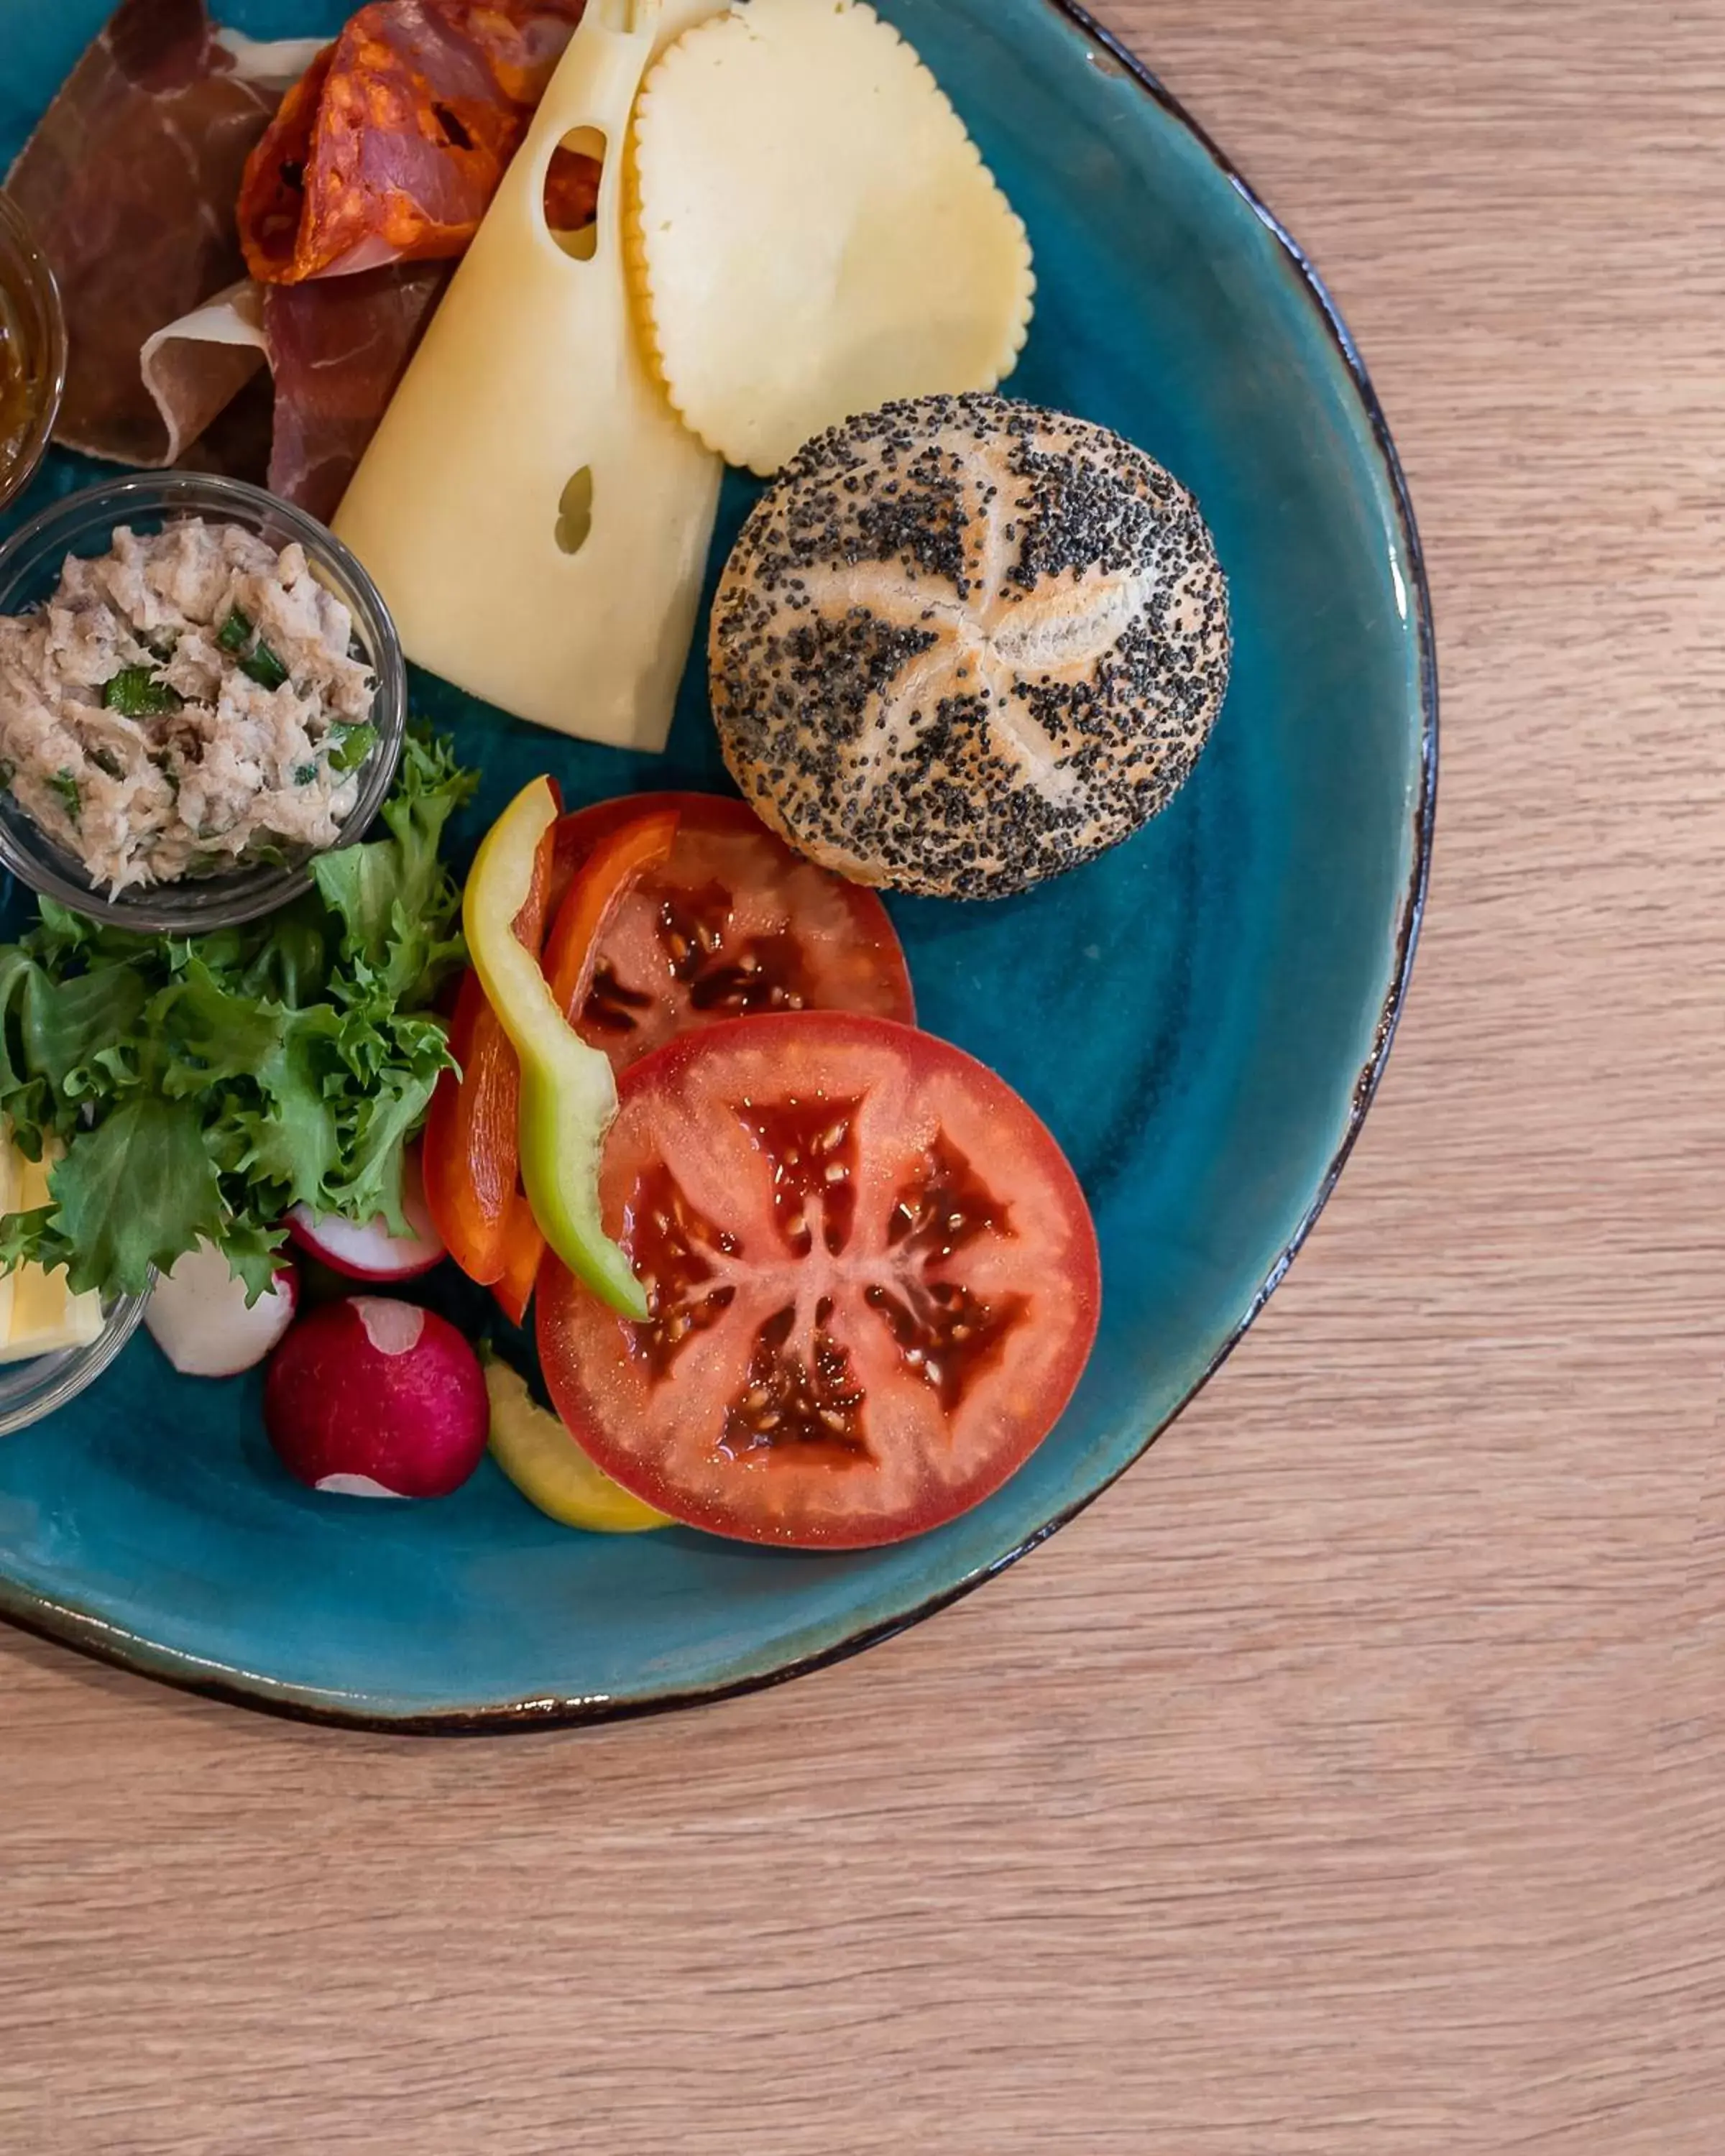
813, 232
535, 513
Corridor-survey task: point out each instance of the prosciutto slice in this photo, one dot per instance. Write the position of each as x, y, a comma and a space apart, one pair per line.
404, 124
338, 347
129, 183
194, 368
335, 350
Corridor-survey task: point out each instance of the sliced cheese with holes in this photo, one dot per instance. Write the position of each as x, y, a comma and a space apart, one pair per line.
44, 1316
535, 514
812, 232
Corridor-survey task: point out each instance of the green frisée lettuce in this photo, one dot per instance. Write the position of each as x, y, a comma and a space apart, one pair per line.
199, 1089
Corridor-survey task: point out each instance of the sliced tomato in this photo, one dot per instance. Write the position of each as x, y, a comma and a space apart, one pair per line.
873, 1283
733, 924
472, 1150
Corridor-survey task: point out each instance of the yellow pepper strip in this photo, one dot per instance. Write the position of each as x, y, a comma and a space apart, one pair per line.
550, 1468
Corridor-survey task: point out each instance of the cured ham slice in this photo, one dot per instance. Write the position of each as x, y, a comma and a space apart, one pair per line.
338, 347
195, 368
404, 125
392, 146
128, 184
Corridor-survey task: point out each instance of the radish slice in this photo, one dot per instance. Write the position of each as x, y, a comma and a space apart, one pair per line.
371, 1398
371, 1252
197, 1315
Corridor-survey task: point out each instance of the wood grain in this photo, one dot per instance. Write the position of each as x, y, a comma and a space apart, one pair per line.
1343, 1785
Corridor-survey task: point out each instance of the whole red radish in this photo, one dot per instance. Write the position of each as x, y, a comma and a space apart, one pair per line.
373, 1399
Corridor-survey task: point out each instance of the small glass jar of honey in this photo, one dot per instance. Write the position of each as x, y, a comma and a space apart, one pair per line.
33, 352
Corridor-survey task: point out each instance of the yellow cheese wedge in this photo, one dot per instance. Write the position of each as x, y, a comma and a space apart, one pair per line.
44, 1316
537, 517
812, 232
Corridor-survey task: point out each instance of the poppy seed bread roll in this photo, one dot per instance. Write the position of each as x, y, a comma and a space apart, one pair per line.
964, 644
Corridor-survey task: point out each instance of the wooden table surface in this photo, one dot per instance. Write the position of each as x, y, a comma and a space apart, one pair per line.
1340, 1785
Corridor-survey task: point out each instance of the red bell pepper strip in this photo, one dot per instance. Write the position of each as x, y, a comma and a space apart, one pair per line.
569, 851
472, 1155
602, 883
525, 1252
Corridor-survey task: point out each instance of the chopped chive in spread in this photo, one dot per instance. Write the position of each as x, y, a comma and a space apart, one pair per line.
136, 693
260, 663
173, 771
66, 787
352, 745
264, 667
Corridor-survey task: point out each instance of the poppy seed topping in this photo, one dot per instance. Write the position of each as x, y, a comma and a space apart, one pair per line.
964, 644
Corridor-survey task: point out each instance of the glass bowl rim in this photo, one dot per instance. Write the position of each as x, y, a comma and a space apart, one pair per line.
20, 245
75, 1369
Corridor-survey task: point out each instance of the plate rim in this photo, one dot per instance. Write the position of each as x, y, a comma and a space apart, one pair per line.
67, 1624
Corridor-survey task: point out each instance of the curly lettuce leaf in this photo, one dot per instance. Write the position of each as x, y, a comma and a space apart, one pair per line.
397, 903
138, 1190
200, 1089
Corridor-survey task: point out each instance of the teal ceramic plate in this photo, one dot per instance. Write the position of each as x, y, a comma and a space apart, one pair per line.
1201, 1017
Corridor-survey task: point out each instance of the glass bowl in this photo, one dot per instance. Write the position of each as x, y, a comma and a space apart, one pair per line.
32, 1389
30, 316
84, 523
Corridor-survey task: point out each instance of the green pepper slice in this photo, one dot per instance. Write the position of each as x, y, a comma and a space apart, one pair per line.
568, 1096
